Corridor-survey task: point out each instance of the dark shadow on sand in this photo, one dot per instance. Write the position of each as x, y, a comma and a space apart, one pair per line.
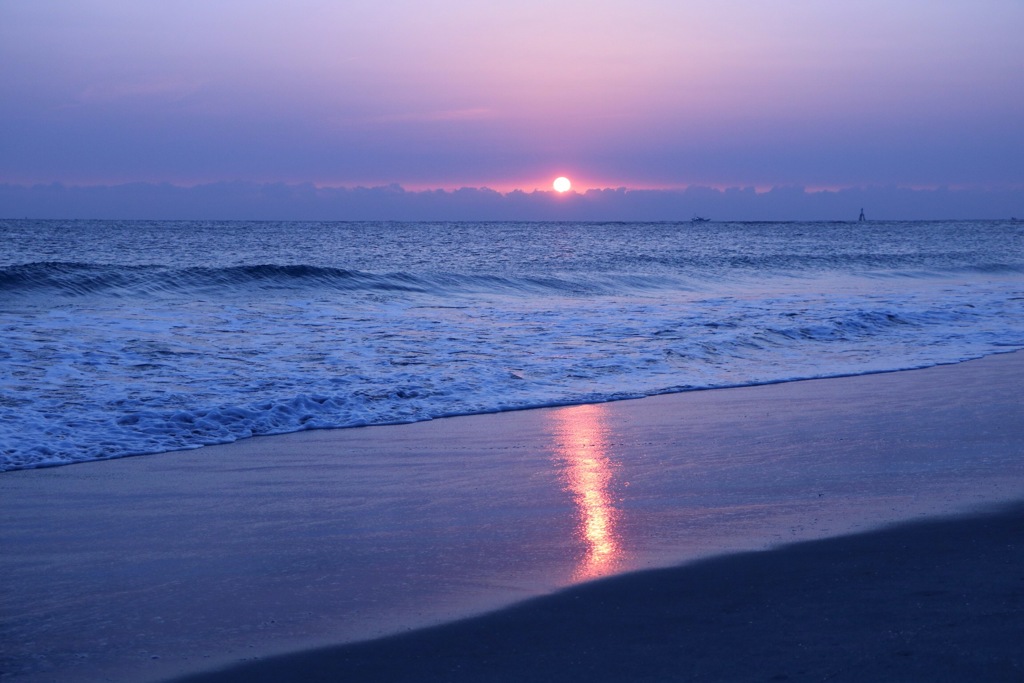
927, 601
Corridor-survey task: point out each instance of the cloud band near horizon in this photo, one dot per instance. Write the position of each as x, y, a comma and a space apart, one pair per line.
280, 201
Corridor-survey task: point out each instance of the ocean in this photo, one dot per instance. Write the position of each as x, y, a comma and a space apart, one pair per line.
130, 337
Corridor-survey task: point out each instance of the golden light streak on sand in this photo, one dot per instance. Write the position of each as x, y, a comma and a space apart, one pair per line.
581, 451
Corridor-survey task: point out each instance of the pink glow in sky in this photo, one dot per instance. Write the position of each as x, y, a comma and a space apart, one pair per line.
449, 93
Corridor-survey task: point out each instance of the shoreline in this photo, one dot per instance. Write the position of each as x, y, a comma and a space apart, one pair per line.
147, 568
538, 406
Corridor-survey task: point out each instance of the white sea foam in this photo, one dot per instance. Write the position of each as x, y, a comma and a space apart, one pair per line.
138, 350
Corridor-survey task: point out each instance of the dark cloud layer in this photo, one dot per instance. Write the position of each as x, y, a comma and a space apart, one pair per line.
254, 201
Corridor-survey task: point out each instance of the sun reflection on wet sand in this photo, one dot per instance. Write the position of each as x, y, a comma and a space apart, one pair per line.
581, 452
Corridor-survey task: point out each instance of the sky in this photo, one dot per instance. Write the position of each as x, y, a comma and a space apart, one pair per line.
445, 94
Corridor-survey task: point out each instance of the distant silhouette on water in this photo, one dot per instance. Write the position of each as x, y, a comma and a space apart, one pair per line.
862, 218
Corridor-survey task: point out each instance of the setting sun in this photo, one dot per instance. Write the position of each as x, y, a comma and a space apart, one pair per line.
562, 184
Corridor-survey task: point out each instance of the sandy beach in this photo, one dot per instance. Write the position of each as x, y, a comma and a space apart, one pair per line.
930, 601
323, 543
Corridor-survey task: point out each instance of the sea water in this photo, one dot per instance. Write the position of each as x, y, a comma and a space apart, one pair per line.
127, 338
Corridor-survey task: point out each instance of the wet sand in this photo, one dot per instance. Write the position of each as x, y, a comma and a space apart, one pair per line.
929, 601
148, 568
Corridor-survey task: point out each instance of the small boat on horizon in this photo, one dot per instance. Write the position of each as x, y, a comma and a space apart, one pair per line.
699, 219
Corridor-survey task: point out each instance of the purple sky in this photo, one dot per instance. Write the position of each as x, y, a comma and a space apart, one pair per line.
452, 93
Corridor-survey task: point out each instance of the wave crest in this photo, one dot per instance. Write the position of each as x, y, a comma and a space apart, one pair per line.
82, 279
